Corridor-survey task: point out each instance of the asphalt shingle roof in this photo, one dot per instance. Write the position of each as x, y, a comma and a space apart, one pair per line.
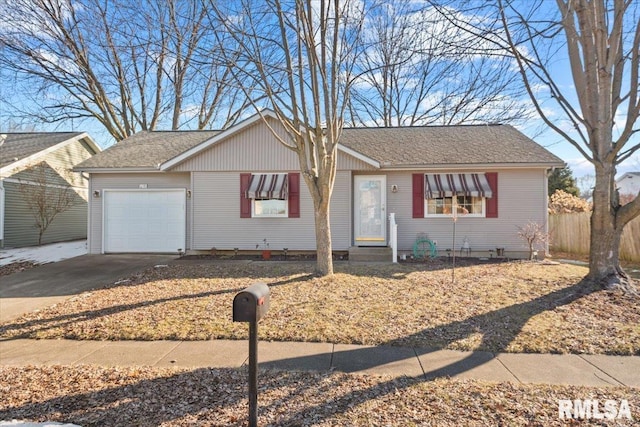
403, 146
446, 145
147, 149
18, 146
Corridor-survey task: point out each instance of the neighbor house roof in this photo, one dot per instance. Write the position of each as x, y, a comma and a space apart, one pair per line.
18, 146
628, 174
20, 149
147, 149
447, 145
400, 147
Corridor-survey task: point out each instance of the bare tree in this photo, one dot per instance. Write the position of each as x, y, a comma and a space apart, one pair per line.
47, 194
602, 40
301, 55
93, 60
535, 236
586, 184
422, 66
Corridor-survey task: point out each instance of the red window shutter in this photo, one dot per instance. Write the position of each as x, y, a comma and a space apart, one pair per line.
492, 203
418, 195
294, 195
245, 203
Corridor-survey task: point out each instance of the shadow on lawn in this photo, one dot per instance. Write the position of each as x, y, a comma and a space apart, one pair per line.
261, 271
513, 317
146, 402
198, 396
42, 324
194, 392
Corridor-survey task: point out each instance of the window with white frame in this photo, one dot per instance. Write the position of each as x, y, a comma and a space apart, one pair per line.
462, 205
269, 208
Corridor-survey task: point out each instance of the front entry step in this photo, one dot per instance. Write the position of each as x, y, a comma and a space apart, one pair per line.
370, 254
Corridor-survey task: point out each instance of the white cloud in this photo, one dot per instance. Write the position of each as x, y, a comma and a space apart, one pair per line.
580, 166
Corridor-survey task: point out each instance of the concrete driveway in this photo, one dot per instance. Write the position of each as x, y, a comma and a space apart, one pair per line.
51, 283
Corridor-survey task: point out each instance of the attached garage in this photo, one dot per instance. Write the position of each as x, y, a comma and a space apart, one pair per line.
144, 220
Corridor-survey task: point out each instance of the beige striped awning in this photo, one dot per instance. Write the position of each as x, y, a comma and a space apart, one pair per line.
267, 186
440, 185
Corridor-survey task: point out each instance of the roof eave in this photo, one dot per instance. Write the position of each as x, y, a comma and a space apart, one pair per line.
473, 166
116, 169
359, 156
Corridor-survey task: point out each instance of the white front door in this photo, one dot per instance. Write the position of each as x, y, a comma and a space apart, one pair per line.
370, 200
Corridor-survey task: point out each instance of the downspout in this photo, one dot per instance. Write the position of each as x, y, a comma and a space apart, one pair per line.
545, 191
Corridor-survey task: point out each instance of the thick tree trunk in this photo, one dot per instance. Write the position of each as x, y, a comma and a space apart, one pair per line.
324, 264
606, 231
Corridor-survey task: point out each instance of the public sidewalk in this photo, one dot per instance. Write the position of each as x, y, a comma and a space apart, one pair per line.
582, 370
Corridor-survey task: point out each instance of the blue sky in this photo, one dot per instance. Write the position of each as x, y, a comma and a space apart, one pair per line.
549, 139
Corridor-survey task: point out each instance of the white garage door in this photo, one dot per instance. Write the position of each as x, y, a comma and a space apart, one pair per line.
144, 220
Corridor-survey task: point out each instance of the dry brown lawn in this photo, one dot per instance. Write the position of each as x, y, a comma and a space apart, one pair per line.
512, 307
94, 396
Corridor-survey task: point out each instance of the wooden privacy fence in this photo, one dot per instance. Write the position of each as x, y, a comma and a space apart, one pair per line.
570, 233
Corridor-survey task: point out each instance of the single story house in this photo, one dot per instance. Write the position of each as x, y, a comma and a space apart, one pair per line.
232, 189
629, 184
31, 160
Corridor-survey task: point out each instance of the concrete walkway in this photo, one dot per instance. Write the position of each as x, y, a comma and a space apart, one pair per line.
582, 370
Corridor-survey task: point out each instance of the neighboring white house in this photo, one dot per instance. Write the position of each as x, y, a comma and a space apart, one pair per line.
629, 183
197, 190
58, 153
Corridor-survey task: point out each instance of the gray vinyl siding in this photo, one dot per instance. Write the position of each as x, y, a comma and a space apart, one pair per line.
19, 223
256, 149
216, 216
63, 160
102, 181
521, 198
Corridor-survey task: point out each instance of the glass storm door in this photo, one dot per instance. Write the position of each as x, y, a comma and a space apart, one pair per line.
370, 220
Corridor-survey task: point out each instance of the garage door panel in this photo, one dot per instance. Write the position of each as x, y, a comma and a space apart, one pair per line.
144, 220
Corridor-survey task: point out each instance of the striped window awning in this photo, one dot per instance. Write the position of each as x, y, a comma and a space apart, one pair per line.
267, 186
440, 185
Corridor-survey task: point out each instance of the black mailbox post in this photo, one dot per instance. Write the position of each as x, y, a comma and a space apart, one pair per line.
250, 305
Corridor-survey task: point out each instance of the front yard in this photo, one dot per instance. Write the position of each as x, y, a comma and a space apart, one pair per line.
517, 306
501, 307
94, 396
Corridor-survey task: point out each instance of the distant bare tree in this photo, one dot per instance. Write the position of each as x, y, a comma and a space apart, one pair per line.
586, 183
421, 66
46, 195
130, 65
300, 54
